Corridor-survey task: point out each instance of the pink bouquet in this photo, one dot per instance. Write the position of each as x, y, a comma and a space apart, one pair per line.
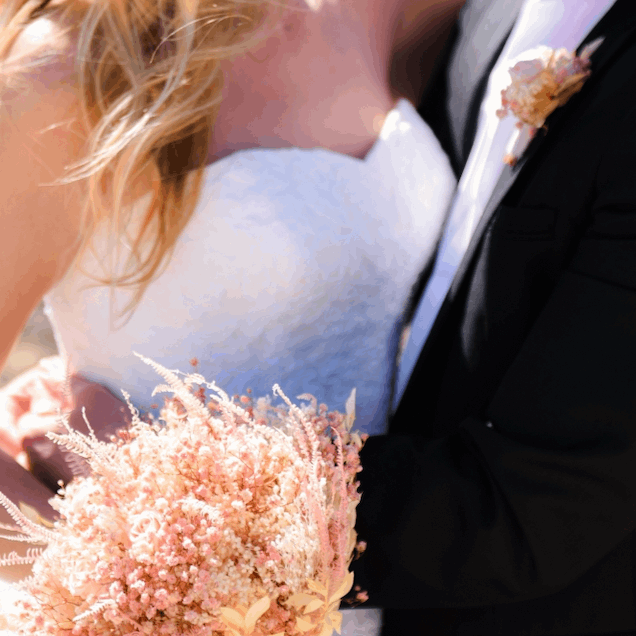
225, 519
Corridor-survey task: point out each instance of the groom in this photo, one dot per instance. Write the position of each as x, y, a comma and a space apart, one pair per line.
503, 500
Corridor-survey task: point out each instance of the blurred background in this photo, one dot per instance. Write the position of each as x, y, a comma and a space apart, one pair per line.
36, 342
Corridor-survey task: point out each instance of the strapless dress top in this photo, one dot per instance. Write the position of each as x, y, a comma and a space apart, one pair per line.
292, 270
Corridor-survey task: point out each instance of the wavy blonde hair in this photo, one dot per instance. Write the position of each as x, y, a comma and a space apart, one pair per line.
150, 81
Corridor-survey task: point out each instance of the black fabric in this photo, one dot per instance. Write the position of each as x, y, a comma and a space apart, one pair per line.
472, 116
503, 499
481, 33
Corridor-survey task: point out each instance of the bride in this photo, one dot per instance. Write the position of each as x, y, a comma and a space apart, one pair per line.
244, 190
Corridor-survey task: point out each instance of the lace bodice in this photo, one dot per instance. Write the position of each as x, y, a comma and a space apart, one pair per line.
292, 270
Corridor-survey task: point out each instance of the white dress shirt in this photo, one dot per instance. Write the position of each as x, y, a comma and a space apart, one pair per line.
553, 23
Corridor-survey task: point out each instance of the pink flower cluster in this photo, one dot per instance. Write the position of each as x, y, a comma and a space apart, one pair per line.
215, 519
538, 87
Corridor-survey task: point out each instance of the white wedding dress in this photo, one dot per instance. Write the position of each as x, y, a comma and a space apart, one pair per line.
292, 270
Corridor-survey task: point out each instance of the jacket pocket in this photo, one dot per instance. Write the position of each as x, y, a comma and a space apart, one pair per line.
608, 224
525, 224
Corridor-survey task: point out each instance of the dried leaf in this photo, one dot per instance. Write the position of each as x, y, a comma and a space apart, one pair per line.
327, 629
350, 404
336, 620
303, 625
300, 599
347, 584
317, 587
255, 612
591, 47
351, 543
231, 617
314, 605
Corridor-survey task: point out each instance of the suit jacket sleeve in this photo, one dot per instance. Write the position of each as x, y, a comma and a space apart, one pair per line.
532, 491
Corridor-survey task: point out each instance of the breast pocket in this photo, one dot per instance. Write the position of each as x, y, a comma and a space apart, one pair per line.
608, 224
524, 224
607, 250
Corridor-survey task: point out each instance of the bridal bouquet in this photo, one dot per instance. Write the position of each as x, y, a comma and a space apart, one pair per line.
223, 519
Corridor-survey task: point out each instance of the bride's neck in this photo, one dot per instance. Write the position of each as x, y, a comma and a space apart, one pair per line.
320, 80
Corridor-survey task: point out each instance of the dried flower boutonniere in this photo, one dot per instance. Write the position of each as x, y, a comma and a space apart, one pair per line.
538, 87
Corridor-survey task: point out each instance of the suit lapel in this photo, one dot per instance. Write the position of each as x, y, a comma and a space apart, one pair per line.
487, 25
617, 26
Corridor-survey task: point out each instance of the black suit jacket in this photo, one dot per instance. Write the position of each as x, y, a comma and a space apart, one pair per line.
503, 499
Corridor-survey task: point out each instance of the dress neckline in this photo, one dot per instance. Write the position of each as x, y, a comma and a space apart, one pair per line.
400, 105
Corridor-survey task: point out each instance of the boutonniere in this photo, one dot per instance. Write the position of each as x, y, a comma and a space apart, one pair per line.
538, 87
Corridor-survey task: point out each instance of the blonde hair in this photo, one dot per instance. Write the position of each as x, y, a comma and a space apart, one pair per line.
150, 82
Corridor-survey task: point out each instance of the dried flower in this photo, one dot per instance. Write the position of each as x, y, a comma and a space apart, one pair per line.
538, 87
220, 521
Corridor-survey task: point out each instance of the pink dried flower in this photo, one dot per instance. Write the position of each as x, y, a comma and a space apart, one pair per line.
210, 524
538, 87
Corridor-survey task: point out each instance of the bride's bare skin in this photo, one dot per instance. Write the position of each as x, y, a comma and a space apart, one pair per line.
323, 77
317, 81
